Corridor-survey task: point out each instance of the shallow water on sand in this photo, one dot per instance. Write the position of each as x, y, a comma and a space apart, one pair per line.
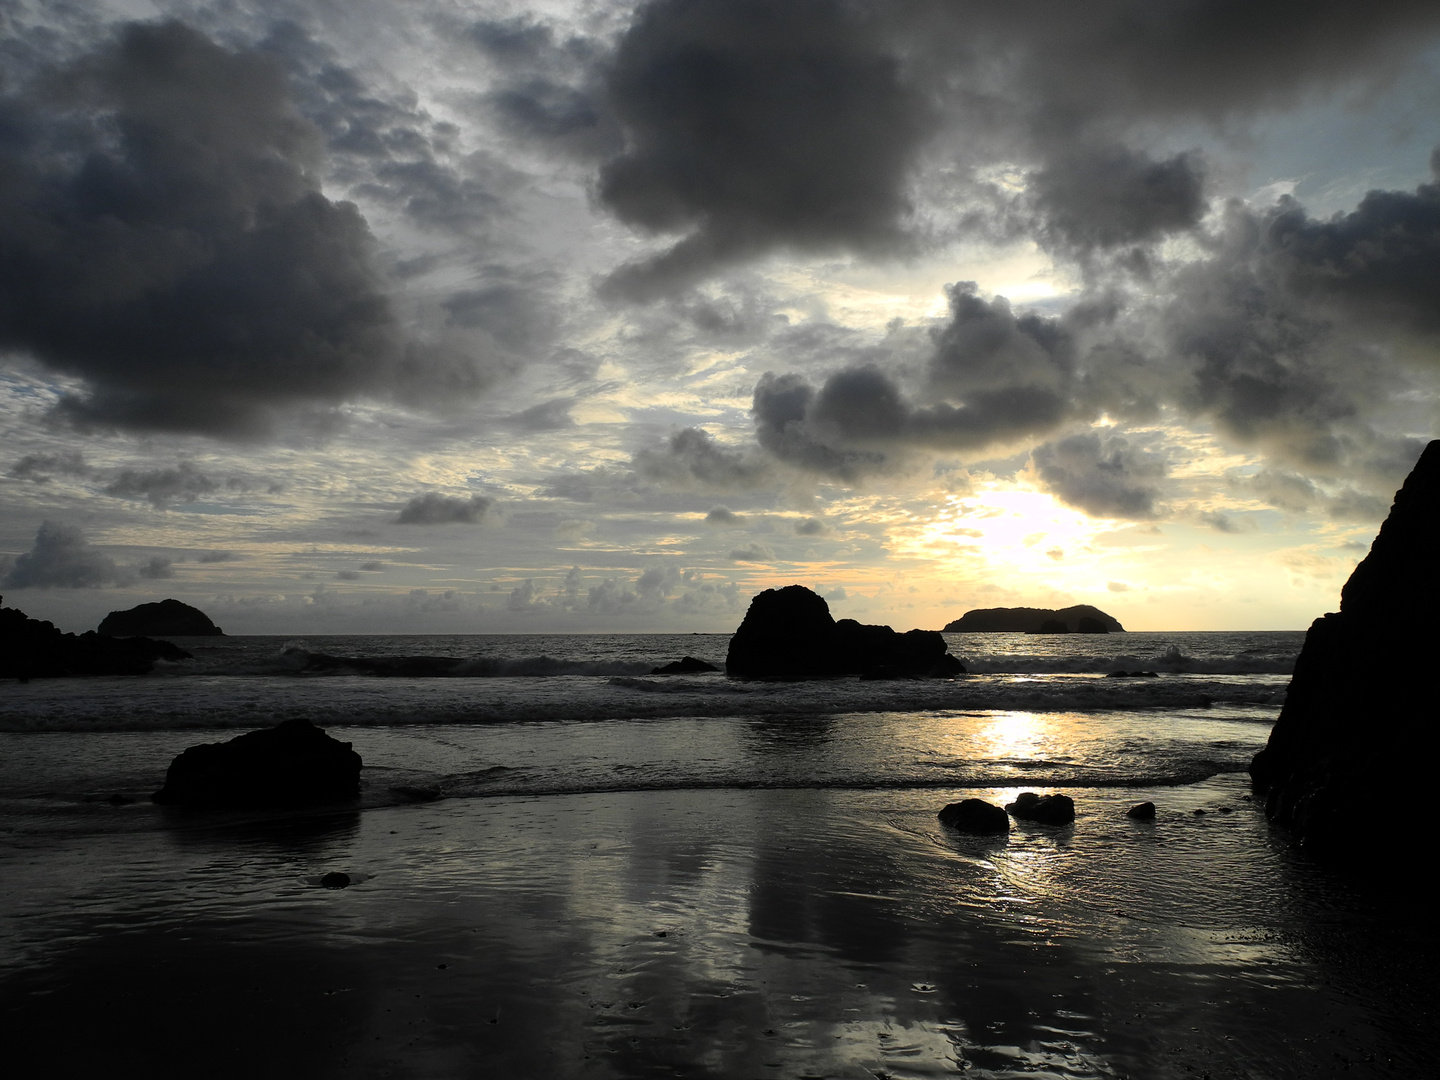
713, 933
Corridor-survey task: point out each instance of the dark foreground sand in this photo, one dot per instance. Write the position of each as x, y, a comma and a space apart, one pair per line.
728, 934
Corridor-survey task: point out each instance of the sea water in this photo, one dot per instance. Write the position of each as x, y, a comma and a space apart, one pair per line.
622, 874
556, 714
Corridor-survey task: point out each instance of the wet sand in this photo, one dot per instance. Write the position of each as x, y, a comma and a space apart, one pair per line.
710, 934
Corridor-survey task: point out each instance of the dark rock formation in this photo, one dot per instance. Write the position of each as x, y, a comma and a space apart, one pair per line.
975, 816
789, 633
1051, 626
1079, 619
168, 618
1132, 675
1144, 811
686, 666
1361, 700
292, 764
335, 880
34, 649
1043, 809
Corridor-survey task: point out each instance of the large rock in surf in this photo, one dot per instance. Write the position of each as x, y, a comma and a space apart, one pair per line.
688, 665
790, 633
975, 816
168, 618
35, 649
1078, 619
292, 764
1339, 770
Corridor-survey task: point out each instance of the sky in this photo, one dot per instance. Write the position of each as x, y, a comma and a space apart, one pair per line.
454, 317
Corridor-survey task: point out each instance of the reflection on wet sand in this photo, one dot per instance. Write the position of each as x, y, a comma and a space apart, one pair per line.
702, 934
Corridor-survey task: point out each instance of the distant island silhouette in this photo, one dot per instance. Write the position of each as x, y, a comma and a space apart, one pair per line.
1077, 619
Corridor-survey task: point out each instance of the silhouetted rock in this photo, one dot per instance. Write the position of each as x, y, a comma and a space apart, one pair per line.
789, 633
1079, 619
292, 764
35, 649
1043, 809
975, 816
335, 880
1144, 811
1132, 675
1361, 700
1051, 626
168, 618
686, 666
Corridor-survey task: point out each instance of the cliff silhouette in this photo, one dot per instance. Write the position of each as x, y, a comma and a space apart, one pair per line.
1361, 701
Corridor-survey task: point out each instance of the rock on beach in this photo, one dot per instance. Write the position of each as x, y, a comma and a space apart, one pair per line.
975, 816
292, 764
1043, 809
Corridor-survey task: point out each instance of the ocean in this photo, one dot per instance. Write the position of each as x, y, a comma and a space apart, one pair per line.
562, 865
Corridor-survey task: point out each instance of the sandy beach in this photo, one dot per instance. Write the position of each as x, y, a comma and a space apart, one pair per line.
724, 933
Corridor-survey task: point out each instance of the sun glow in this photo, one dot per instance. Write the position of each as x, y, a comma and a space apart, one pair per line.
1015, 529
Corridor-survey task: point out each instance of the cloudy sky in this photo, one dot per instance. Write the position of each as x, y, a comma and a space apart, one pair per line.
455, 316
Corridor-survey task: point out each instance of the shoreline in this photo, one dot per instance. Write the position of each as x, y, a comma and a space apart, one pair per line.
712, 933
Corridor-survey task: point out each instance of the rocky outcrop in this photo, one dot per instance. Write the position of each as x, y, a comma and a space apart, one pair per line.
168, 618
35, 649
975, 816
790, 633
1361, 702
1079, 619
688, 665
292, 764
1043, 809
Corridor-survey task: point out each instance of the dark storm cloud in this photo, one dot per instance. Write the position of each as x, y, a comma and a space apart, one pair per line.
724, 517
692, 458
1156, 58
1282, 490
811, 527
379, 140
1274, 364
160, 487
156, 568
998, 377
1104, 476
41, 468
62, 558
1380, 263
436, 509
751, 126
550, 87
162, 237
508, 312
986, 347
753, 552
1102, 197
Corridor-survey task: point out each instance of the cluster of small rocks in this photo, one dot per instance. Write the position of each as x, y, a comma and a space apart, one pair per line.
980, 818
